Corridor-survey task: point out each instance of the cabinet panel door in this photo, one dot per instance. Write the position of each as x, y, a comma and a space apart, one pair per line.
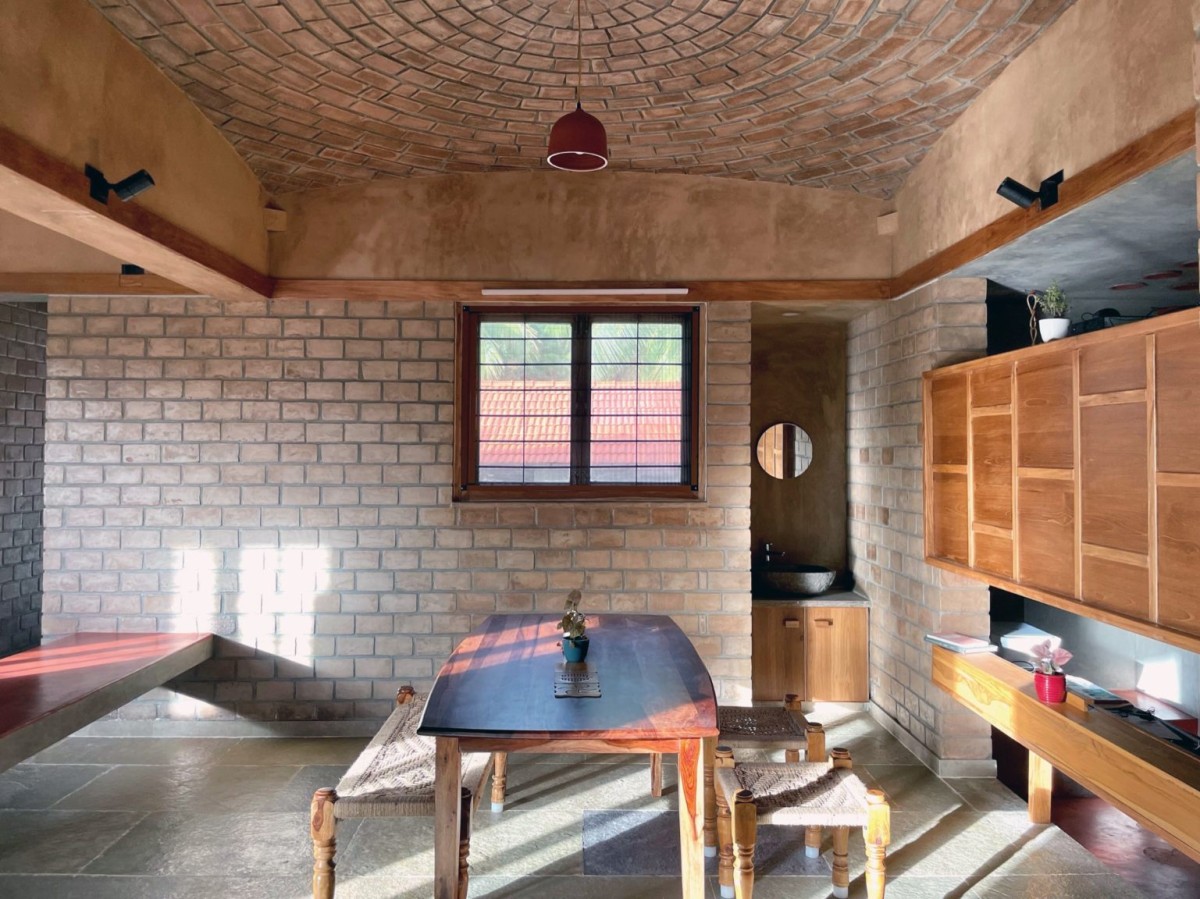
991, 386
1046, 413
1113, 366
1115, 584
948, 509
1177, 373
1179, 557
991, 469
1046, 523
836, 654
777, 651
1114, 478
949, 400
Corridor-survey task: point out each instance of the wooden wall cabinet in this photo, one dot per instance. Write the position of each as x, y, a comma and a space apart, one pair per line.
1070, 473
816, 652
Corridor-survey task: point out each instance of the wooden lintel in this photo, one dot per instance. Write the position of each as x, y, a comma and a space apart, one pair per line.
53, 194
710, 291
82, 284
1149, 151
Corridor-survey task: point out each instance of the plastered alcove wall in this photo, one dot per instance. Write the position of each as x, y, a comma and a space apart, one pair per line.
798, 374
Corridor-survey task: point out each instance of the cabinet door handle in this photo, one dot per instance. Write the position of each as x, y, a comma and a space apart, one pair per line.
823, 622
791, 622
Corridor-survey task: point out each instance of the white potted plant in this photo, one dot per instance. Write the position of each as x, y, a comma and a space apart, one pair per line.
1048, 678
1053, 306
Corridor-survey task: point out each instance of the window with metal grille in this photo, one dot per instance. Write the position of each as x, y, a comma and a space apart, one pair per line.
573, 402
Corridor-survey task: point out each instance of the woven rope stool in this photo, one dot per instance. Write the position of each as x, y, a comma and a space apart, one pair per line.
806, 794
393, 777
768, 728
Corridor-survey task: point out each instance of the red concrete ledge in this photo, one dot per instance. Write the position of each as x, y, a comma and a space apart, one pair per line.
53, 690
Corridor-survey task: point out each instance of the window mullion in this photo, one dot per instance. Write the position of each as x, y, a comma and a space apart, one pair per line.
581, 398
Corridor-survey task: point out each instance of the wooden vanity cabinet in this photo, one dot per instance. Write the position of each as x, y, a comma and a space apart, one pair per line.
777, 647
835, 654
817, 652
1070, 473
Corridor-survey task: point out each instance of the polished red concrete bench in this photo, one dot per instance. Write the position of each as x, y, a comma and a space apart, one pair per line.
51, 691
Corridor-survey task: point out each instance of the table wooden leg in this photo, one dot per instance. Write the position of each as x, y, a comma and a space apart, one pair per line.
1041, 782
710, 799
447, 813
691, 816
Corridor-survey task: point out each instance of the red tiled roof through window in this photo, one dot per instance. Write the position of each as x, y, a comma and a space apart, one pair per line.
528, 423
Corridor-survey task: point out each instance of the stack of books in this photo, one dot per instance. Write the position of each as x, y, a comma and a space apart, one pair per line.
957, 642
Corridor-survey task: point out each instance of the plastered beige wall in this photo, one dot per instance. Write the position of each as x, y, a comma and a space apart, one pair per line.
564, 226
26, 247
74, 87
1106, 73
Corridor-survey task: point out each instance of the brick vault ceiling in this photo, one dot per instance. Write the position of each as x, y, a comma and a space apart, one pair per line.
842, 94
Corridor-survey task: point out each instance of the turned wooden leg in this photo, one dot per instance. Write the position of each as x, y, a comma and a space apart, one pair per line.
815, 739
323, 828
656, 774
464, 840
745, 827
793, 704
724, 840
841, 869
876, 835
499, 780
405, 694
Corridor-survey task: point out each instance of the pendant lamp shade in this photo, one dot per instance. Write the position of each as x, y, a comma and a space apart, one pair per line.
578, 143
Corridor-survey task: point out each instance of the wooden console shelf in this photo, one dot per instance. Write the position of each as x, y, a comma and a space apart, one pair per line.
1070, 473
1150, 780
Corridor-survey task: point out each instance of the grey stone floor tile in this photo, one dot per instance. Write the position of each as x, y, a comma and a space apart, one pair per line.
585, 787
496, 887
986, 794
84, 886
175, 843
40, 786
1064, 886
897, 887
912, 788
389, 847
135, 751
201, 789
296, 794
541, 841
295, 751
58, 842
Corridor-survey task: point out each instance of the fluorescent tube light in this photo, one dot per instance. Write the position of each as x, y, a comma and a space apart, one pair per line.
584, 291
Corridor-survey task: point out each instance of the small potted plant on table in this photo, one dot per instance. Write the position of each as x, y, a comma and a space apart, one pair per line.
574, 627
1048, 678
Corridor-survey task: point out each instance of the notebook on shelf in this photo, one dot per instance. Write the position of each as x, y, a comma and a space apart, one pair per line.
957, 642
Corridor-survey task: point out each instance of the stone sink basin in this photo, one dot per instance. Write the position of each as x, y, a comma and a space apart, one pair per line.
796, 580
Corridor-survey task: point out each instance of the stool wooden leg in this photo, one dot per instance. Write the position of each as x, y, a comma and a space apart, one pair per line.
724, 846
745, 827
876, 835
841, 869
323, 829
815, 737
812, 841
499, 780
656, 774
464, 840
794, 704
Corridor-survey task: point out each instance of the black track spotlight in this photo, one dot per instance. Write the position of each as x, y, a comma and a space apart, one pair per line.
127, 188
1046, 195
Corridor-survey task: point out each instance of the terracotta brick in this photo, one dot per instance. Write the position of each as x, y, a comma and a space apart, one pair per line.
478, 88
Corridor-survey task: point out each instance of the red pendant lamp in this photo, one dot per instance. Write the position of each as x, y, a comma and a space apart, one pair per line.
577, 140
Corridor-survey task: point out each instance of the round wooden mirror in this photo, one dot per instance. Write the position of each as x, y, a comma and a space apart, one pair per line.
785, 450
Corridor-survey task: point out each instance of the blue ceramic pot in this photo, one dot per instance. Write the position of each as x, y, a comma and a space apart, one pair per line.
575, 648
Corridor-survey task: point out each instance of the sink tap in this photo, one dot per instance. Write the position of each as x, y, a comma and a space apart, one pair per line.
771, 555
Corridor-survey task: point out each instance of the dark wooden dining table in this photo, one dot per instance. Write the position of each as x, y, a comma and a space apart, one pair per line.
496, 693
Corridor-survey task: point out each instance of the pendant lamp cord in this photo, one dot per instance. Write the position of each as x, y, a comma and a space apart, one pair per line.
579, 44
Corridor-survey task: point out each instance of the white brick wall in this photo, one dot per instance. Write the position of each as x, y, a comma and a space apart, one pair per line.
279, 473
889, 349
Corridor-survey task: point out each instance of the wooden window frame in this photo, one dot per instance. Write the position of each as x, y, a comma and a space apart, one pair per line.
466, 411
